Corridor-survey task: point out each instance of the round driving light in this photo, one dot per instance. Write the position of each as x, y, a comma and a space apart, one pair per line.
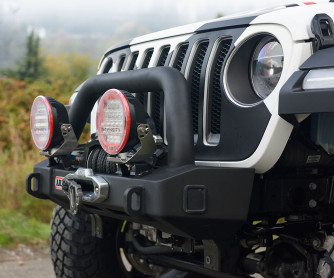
266, 66
46, 117
113, 121
41, 122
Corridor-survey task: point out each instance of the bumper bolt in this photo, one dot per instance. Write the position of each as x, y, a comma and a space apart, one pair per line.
312, 203
313, 186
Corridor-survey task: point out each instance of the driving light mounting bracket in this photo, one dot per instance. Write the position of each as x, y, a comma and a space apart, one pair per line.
146, 150
70, 142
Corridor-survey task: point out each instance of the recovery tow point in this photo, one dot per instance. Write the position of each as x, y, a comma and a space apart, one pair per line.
84, 186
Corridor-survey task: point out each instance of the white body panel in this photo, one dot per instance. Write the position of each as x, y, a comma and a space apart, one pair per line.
296, 19
291, 26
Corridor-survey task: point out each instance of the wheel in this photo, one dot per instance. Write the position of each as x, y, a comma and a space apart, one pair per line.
139, 266
326, 264
76, 253
287, 259
290, 259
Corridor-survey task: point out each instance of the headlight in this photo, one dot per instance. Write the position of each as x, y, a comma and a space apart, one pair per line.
266, 66
254, 69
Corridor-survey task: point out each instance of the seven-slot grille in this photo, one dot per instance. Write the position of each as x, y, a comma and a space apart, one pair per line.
195, 67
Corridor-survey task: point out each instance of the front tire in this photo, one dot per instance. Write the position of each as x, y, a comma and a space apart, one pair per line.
326, 263
76, 253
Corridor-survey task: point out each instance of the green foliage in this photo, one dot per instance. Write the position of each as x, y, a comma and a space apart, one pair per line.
67, 71
17, 228
17, 151
32, 64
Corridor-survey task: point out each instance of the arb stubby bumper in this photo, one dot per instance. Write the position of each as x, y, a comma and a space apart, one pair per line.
189, 201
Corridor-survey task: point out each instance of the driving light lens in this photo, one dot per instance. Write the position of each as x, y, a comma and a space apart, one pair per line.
41, 122
266, 66
113, 121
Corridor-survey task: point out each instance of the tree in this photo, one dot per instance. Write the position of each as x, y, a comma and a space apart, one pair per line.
32, 64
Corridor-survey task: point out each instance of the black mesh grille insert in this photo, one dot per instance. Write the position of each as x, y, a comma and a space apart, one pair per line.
133, 61
143, 97
181, 54
147, 59
121, 63
163, 56
215, 88
157, 112
195, 75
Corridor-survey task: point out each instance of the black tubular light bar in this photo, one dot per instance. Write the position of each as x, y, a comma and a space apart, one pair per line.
177, 99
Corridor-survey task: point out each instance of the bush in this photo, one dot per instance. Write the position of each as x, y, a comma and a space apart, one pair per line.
18, 153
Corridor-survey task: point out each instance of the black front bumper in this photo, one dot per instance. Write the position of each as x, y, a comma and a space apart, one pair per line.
197, 202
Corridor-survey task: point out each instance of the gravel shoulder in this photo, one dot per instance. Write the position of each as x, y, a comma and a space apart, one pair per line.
28, 261
25, 261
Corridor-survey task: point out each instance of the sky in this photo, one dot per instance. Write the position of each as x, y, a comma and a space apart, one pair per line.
79, 15
92, 26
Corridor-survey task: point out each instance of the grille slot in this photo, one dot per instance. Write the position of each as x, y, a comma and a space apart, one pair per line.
157, 104
108, 67
134, 58
142, 97
121, 63
163, 56
194, 77
215, 91
147, 58
181, 54
157, 111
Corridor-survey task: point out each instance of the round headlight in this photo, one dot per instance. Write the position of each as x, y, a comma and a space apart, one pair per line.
266, 66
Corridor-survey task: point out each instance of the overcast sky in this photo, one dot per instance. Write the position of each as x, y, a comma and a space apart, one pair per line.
65, 13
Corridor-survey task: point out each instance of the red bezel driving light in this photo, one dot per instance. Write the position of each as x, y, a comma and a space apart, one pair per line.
41, 122
113, 121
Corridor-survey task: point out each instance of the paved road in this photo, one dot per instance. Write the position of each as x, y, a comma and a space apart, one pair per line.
39, 268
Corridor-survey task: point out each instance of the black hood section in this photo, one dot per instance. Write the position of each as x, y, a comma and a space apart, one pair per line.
177, 105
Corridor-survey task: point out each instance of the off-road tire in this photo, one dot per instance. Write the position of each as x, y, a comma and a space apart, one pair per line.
76, 253
326, 263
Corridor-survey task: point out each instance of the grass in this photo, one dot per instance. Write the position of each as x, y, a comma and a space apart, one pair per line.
17, 228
